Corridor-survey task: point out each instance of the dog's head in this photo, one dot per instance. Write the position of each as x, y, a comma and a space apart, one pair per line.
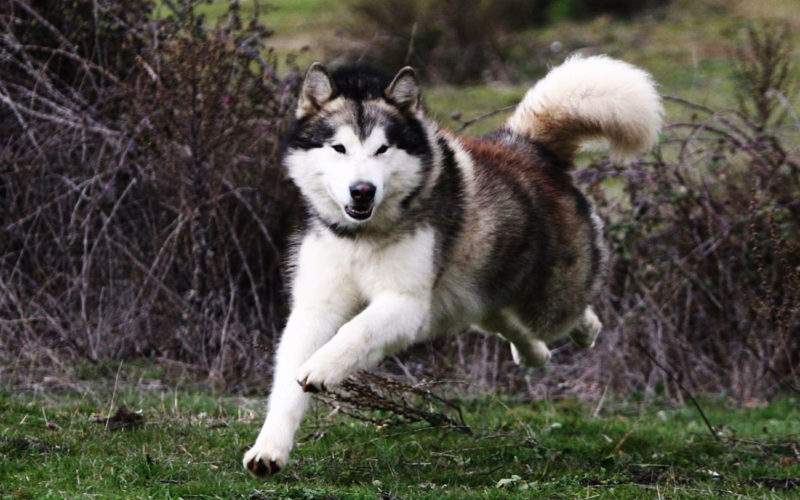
359, 148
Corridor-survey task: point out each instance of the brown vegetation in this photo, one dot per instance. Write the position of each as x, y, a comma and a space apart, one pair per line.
143, 214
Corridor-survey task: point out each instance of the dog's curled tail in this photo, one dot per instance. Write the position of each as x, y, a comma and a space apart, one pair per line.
590, 98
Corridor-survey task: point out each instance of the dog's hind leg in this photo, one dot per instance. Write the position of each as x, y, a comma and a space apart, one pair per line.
526, 349
586, 331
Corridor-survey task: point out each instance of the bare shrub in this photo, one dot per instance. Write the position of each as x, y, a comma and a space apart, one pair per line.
143, 210
395, 402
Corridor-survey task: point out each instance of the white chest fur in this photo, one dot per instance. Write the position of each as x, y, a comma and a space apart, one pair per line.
403, 266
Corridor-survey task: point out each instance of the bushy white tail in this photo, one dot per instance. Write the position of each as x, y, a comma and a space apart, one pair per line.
590, 98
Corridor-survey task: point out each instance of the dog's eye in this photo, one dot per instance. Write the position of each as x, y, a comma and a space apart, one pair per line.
339, 148
381, 150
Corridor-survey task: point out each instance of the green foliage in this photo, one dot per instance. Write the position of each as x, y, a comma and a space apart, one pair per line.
560, 10
763, 73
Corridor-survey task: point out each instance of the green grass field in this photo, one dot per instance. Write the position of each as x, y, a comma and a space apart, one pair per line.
189, 445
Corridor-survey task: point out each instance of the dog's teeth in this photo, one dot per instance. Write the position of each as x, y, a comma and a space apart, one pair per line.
358, 212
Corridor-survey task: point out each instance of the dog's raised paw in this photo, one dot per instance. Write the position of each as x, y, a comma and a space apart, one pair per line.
311, 386
585, 334
536, 354
319, 374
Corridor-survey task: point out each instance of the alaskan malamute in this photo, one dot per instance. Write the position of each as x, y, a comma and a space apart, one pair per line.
415, 232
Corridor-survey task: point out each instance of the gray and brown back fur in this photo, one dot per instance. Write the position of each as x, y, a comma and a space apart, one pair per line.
533, 237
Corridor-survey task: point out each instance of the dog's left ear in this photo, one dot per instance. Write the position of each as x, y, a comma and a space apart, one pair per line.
318, 88
404, 90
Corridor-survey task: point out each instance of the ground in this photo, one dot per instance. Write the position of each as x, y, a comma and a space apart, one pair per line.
166, 442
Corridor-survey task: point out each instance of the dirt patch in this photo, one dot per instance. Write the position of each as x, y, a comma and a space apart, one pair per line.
19, 445
776, 483
122, 419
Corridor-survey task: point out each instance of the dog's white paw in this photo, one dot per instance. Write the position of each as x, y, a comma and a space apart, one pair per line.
319, 374
585, 334
265, 459
515, 355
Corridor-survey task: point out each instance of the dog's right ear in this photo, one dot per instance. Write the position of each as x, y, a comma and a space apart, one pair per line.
404, 90
318, 88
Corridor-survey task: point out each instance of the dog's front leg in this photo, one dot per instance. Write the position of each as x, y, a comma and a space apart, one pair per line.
305, 332
323, 299
391, 322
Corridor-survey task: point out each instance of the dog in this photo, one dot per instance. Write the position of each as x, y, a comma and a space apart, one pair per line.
413, 231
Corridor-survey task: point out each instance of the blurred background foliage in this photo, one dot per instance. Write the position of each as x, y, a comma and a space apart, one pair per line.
462, 41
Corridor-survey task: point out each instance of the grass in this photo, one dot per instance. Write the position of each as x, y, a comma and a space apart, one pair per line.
188, 444
472, 101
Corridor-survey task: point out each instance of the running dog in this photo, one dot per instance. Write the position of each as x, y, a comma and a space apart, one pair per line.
414, 232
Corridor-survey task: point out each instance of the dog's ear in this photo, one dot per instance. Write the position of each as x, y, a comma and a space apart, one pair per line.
318, 88
404, 90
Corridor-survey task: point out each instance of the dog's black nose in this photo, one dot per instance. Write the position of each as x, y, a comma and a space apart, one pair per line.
362, 192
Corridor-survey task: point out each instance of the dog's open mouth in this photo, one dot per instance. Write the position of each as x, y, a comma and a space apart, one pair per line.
358, 212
